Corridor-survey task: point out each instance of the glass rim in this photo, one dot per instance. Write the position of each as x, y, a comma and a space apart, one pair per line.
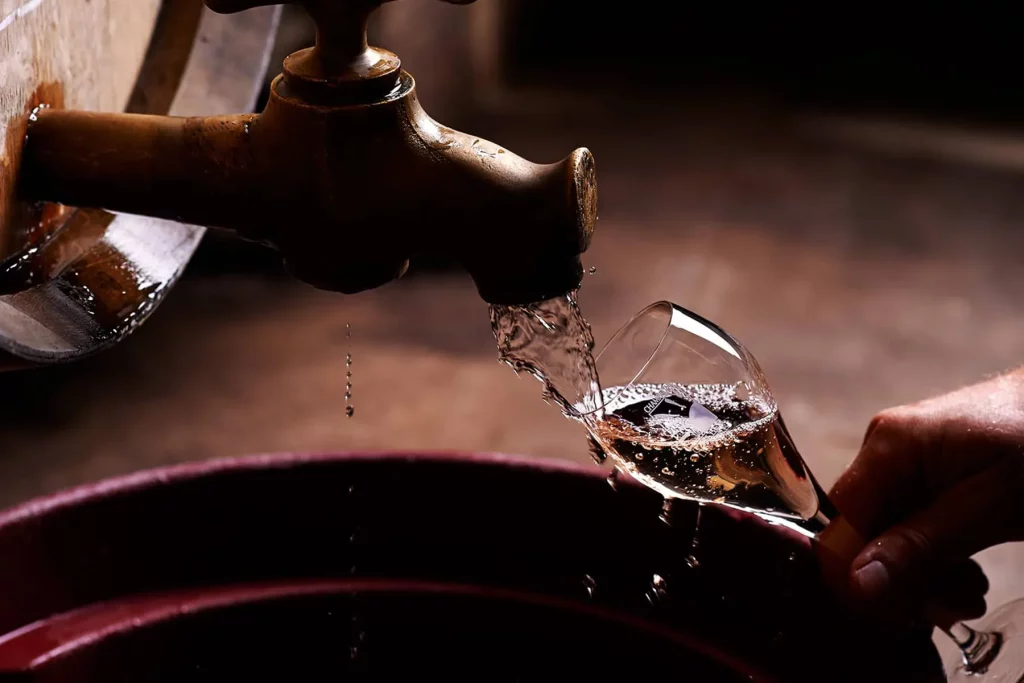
736, 348
670, 307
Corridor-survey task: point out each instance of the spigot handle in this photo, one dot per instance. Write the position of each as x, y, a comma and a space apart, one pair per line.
341, 57
315, 7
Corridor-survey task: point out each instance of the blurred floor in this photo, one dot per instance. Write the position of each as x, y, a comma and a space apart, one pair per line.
859, 281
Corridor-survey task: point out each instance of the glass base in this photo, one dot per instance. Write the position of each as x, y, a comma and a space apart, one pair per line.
1008, 664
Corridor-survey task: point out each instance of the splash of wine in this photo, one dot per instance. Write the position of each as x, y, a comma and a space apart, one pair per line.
551, 341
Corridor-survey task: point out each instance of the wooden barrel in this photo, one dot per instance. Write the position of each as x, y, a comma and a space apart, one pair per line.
73, 282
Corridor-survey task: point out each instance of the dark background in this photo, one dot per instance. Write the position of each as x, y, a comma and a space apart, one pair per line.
959, 64
954, 60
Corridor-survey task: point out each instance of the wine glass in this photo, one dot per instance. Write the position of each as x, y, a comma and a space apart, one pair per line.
687, 411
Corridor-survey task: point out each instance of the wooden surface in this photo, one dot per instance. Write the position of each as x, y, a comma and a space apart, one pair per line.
100, 278
84, 53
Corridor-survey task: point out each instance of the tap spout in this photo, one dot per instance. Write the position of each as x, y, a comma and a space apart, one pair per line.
347, 192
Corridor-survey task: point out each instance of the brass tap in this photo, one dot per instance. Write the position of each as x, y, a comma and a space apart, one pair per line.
344, 173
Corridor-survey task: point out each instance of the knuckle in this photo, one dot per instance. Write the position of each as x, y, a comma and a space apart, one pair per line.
896, 429
885, 430
911, 547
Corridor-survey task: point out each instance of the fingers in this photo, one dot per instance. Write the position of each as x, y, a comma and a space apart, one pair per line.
881, 483
899, 570
980, 512
951, 593
868, 494
933, 484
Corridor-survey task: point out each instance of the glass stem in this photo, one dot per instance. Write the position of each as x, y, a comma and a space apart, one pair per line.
978, 648
823, 517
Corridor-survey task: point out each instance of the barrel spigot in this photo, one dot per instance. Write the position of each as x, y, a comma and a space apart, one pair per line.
343, 172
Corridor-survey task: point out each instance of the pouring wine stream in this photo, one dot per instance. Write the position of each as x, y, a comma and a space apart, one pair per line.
686, 410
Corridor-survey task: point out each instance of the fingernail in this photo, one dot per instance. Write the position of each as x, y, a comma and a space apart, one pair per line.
872, 579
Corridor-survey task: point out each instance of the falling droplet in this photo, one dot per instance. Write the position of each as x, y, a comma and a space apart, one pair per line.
593, 270
589, 584
596, 452
659, 589
666, 511
353, 652
695, 541
349, 408
692, 562
613, 479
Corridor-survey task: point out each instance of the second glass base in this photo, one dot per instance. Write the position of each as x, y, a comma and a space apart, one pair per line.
1008, 665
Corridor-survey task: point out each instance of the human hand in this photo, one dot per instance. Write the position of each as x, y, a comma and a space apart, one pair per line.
934, 483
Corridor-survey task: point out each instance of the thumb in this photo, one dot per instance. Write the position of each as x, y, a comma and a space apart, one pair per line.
976, 513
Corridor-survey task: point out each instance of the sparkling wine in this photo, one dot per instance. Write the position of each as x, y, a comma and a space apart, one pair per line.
709, 443
552, 341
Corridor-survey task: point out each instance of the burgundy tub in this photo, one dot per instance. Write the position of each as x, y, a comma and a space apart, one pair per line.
403, 567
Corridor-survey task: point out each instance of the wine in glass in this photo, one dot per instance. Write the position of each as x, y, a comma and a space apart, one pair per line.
687, 411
